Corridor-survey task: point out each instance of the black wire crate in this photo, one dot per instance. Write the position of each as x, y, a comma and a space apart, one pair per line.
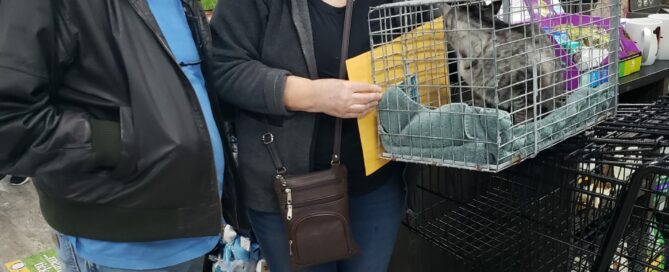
515, 222
566, 210
637, 137
643, 245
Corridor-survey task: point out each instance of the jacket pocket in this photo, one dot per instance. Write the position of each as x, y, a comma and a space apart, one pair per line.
113, 143
127, 164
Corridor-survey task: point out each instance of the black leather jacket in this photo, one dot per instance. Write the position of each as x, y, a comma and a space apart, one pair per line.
119, 151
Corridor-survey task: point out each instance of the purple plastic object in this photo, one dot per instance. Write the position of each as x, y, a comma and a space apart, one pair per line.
627, 46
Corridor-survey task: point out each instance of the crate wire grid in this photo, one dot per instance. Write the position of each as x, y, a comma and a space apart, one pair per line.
642, 245
598, 162
517, 224
494, 231
620, 147
643, 130
413, 54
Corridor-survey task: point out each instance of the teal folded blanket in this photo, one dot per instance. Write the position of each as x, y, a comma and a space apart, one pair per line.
467, 134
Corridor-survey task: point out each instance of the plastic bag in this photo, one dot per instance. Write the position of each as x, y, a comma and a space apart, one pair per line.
238, 254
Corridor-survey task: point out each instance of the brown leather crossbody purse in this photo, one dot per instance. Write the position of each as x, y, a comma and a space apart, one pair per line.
314, 206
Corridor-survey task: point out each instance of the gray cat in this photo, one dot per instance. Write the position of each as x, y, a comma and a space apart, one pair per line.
469, 31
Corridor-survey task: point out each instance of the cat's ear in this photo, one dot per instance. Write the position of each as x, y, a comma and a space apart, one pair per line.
445, 8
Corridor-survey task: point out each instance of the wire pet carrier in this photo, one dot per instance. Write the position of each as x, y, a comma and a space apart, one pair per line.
477, 86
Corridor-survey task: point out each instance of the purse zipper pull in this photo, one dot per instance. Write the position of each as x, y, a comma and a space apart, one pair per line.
282, 179
290, 247
289, 202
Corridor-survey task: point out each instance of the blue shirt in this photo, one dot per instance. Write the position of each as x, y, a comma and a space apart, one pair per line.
152, 255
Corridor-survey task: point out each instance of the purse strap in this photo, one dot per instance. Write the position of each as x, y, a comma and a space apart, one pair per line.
268, 138
346, 35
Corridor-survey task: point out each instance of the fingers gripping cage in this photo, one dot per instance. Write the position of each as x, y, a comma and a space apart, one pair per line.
483, 86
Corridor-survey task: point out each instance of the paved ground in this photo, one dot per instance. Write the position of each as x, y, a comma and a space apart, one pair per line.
22, 228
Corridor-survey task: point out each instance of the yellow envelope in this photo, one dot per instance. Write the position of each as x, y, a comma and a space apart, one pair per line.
417, 58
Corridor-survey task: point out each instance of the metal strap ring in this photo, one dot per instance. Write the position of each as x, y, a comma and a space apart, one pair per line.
267, 138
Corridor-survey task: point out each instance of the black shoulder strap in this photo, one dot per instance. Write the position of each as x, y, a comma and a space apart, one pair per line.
336, 153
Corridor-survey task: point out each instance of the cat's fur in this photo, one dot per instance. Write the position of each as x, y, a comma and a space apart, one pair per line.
469, 31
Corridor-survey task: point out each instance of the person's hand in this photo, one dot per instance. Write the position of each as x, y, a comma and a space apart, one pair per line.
345, 99
335, 97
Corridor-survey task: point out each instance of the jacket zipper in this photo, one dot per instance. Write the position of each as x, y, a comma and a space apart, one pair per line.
193, 100
195, 105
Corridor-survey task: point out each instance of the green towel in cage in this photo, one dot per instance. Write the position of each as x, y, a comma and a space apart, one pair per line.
462, 133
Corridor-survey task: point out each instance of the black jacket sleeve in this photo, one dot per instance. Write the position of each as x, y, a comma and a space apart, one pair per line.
240, 78
36, 135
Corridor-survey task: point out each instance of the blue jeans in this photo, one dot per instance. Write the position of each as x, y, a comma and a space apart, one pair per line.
375, 219
73, 263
